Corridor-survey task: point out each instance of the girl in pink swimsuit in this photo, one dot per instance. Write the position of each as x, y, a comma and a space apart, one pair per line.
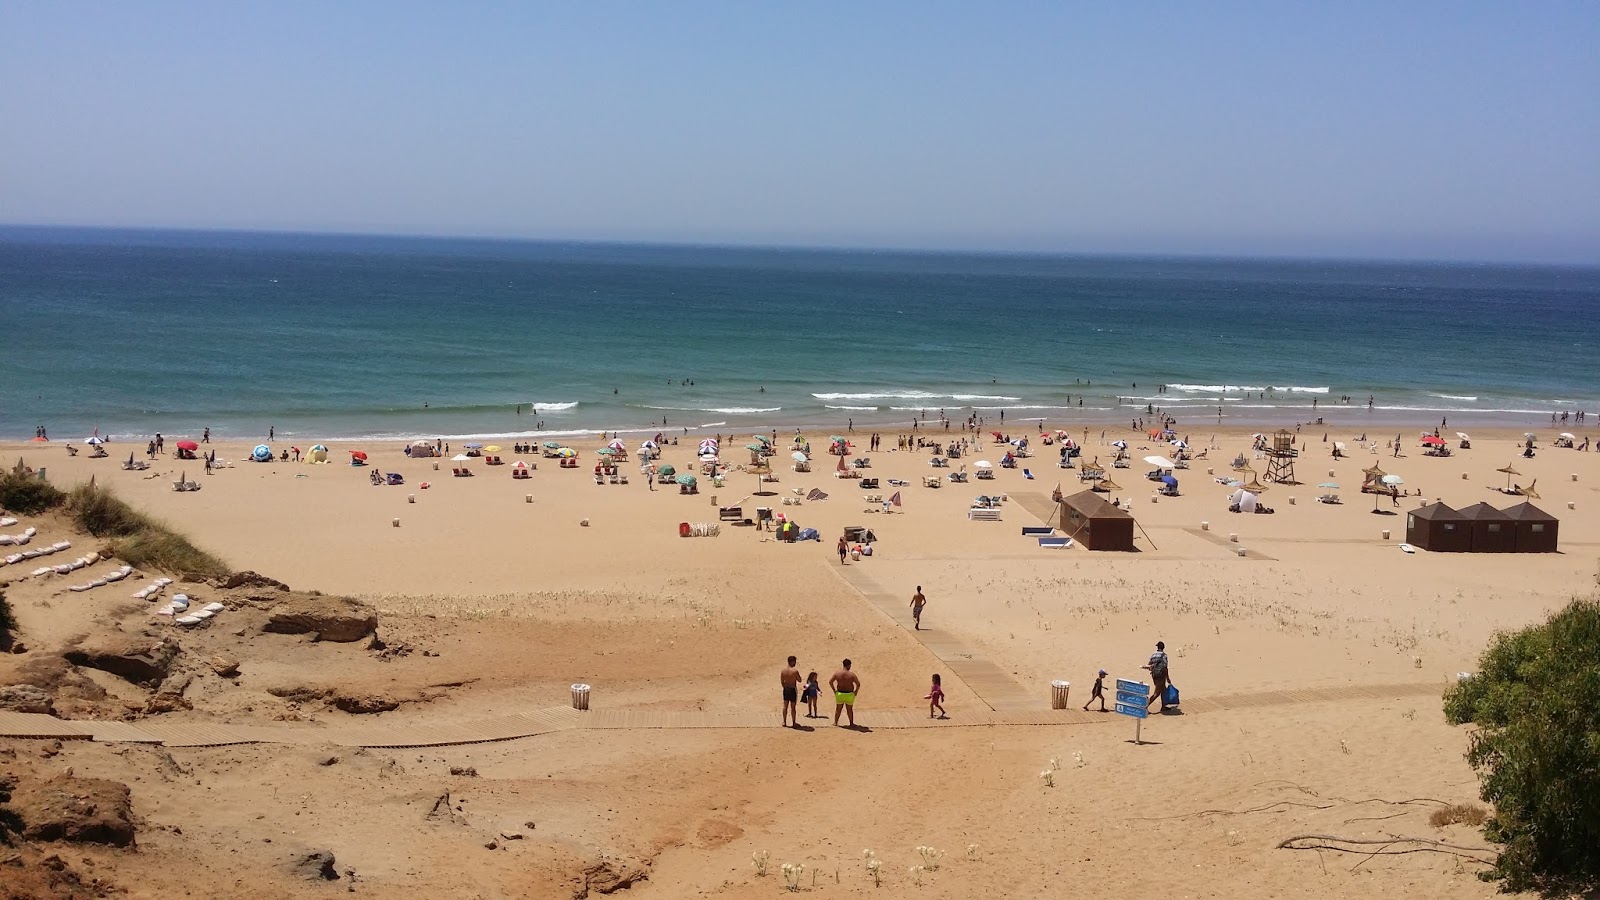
935, 698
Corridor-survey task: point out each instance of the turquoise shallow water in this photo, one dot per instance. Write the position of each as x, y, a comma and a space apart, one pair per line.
326, 336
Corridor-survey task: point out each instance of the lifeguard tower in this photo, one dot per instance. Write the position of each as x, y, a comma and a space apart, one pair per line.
1280, 458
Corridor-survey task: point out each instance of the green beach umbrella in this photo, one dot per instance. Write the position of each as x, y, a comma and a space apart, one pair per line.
666, 471
687, 479
552, 445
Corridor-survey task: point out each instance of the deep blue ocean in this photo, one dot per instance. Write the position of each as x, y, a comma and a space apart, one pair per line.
331, 336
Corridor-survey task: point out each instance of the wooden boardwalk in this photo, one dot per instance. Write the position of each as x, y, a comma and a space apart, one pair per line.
991, 683
444, 733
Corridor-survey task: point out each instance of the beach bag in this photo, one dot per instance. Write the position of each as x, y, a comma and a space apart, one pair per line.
1170, 698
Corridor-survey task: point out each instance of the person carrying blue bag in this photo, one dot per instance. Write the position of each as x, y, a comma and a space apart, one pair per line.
1161, 678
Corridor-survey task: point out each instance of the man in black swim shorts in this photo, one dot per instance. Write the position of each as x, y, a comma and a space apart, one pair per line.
790, 679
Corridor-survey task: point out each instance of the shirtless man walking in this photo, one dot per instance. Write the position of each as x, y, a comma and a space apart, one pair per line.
846, 684
917, 603
789, 678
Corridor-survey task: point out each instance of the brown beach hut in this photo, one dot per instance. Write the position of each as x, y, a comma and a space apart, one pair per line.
1491, 529
1535, 529
1087, 518
1438, 529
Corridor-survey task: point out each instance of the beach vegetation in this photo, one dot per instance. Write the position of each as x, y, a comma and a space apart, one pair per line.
8, 622
135, 537
21, 491
1536, 747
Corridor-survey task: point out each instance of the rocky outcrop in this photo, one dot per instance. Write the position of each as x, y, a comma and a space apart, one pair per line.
609, 875
250, 580
360, 704
141, 660
314, 865
25, 698
326, 618
76, 810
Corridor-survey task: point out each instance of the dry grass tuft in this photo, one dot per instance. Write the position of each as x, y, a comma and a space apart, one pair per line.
1458, 813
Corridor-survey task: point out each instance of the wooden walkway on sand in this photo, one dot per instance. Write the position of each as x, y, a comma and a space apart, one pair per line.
380, 733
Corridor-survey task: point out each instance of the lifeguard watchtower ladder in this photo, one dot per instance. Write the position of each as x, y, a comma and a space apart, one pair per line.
1280, 459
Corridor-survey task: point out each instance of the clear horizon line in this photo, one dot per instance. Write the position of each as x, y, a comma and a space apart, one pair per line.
803, 247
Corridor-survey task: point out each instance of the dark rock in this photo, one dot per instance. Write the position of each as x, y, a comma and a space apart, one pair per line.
467, 771
143, 661
78, 810
25, 698
314, 865
358, 705
328, 618
251, 580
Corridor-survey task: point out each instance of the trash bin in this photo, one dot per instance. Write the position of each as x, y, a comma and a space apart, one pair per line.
1058, 694
580, 696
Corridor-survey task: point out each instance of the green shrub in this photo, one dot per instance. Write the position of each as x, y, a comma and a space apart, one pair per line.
1536, 702
23, 492
136, 538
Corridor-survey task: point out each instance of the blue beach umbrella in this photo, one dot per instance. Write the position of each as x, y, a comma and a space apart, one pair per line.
262, 453
1169, 481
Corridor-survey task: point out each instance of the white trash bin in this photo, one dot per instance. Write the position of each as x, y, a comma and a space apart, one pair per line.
1058, 694
580, 696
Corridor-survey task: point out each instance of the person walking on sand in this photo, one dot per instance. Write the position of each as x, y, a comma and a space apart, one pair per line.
789, 679
844, 549
846, 685
917, 603
935, 698
1160, 675
1098, 692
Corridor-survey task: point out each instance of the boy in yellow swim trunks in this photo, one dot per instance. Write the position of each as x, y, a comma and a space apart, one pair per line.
845, 684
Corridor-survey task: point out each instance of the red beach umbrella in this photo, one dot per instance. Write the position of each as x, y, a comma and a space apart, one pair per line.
1433, 440
188, 445
359, 454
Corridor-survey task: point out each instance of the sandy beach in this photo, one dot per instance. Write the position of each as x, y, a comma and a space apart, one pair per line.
1310, 666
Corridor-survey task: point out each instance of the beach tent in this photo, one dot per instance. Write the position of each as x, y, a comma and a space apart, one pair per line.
1492, 530
317, 454
1087, 518
1245, 500
262, 453
1438, 528
1536, 530
420, 449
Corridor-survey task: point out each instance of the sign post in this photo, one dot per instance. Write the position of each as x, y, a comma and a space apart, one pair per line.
1133, 699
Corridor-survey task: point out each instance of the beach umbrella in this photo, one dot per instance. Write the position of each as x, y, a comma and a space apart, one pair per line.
316, 447
1169, 481
605, 451
1374, 472
755, 448
1510, 471
652, 445
666, 471
762, 438
983, 464
1106, 486
461, 457
687, 479
1567, 435
617, 444
1330, 485
1463, 435
567, 453
1120, 445
1528, 435
359, 454
798, 456
1160, 462
1433, 440
93, 442
1255, 487
552, 445
492, 448
1339, 446
473, 446
191, 446
261, 453
519, 464
1392, 480
1530, 492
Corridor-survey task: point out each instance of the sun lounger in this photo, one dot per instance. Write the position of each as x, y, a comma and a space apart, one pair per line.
730, 514
957, 477
869, 484
1037, 531
1028, 474
897, 482
983, 514
932, 481
1055, 543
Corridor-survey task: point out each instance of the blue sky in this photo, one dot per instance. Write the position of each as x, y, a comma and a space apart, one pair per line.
1433, 130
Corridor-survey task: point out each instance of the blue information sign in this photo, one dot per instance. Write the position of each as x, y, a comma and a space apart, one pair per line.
1133, 698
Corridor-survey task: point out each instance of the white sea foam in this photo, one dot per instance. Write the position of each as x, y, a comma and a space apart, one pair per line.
1454, 397
741, 410
1255, 388
856, 408
908, 395
553, 407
